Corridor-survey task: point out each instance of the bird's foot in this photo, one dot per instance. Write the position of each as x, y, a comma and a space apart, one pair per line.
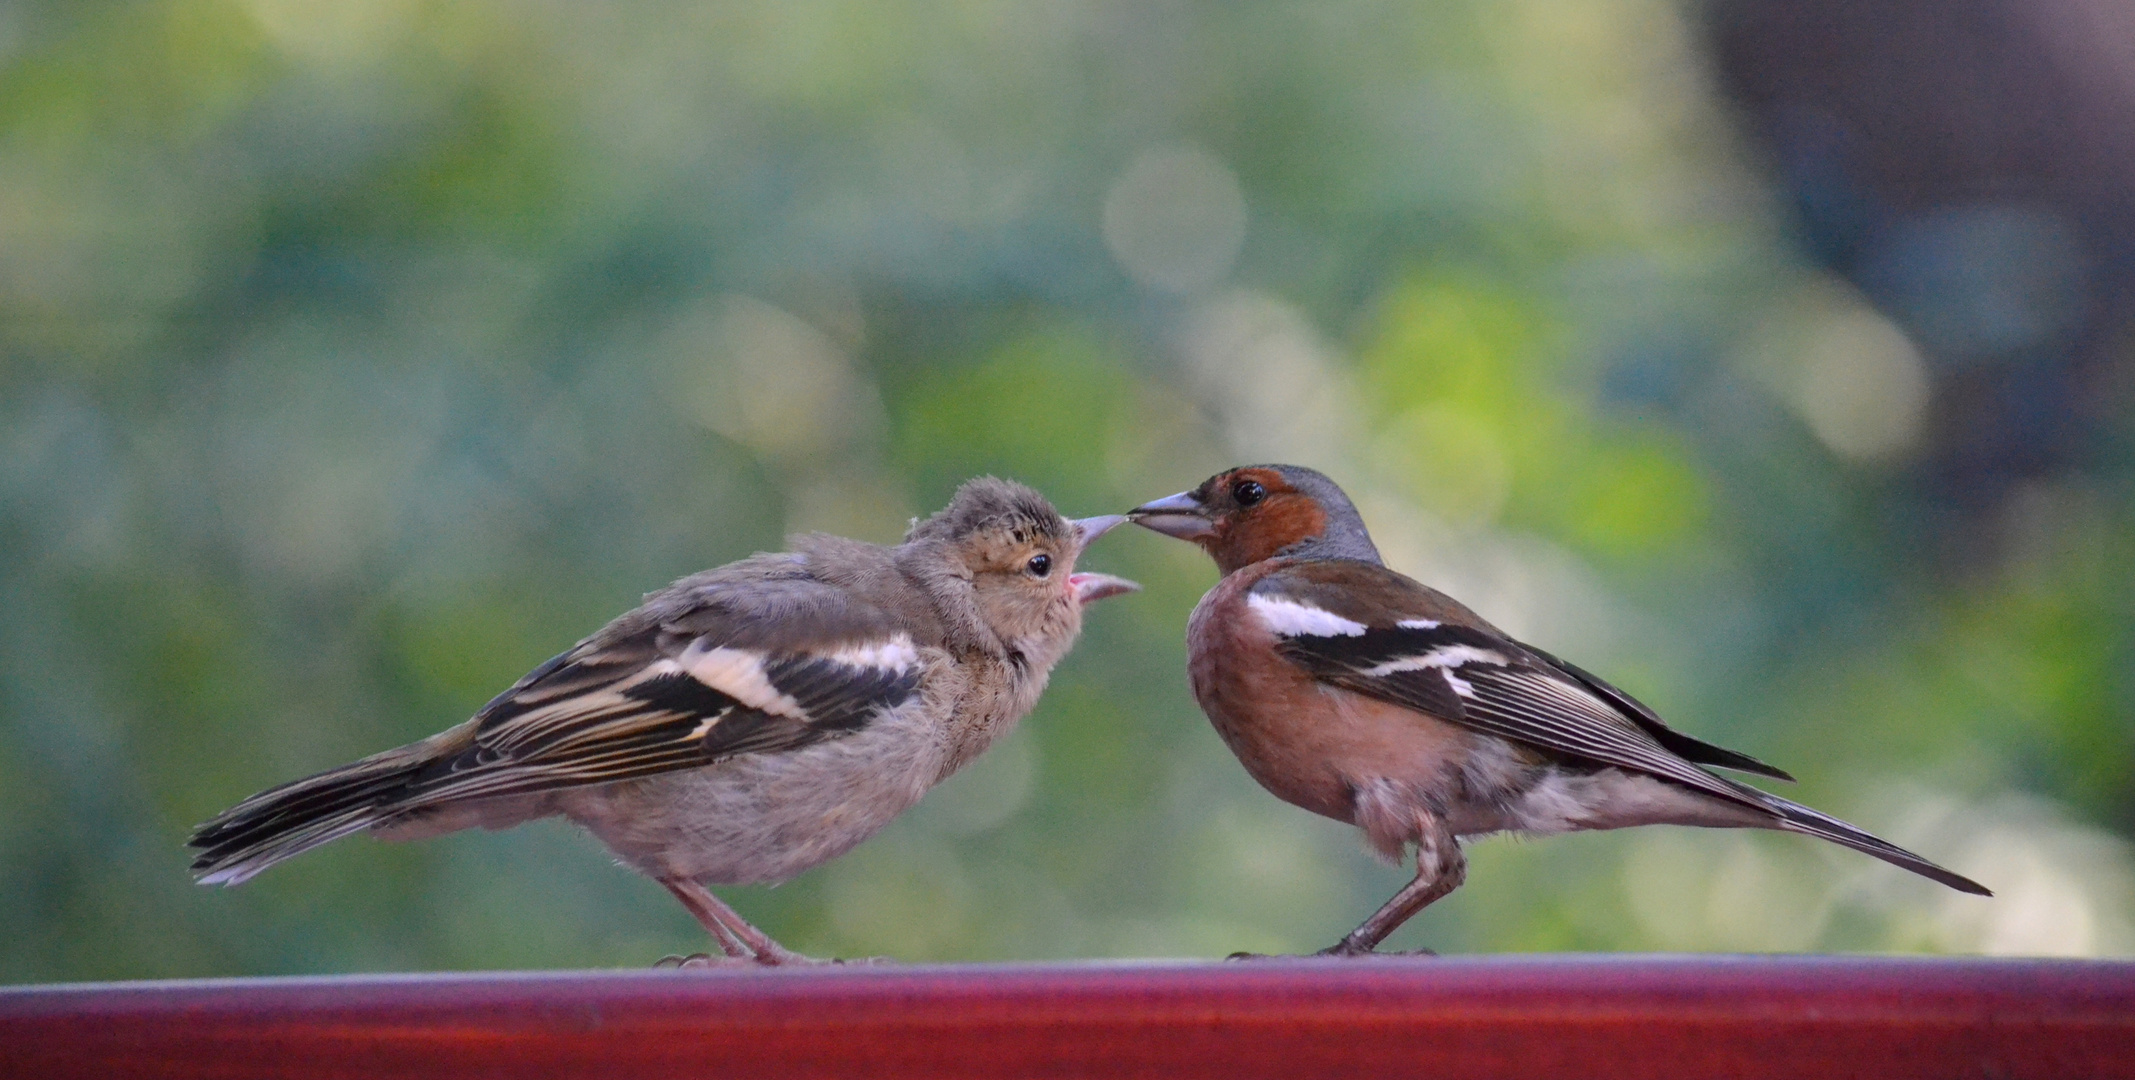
701, 960
787, 958
1347, 948
770, 953
771, 957
763, 952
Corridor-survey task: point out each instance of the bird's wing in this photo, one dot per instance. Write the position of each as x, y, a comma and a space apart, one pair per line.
1675, 742
1375, 632
758, 660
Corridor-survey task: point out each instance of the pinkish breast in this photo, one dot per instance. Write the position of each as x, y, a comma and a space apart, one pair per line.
1307, 743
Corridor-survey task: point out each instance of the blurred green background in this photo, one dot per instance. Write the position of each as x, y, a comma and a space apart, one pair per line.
356, 357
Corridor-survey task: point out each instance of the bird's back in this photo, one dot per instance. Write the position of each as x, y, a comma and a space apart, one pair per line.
611, 692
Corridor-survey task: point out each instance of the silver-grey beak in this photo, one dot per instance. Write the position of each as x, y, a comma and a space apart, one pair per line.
1179, 515
1090, 528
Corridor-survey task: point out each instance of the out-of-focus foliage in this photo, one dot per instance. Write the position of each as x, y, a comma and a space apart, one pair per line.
356, 357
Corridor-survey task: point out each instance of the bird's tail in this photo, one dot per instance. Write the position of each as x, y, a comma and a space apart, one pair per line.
294, 818
1795, 817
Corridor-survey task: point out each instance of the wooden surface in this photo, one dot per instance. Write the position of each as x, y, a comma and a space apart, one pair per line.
1527, 1017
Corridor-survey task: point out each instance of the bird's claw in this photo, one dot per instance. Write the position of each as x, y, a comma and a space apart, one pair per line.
1346, 950
784, 959
1342, 950
794, 959
698, 960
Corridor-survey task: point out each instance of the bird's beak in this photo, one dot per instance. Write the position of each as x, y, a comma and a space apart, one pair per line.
1179, 515
1090, 528
1090, 588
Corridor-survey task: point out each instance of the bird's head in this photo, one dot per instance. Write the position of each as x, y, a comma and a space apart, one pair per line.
1019, 555
1256, 512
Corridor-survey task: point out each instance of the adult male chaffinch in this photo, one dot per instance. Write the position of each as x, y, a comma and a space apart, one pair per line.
745, 723
1356, 692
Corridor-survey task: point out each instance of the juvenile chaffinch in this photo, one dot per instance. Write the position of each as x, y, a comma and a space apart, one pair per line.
1361, 694
745, 723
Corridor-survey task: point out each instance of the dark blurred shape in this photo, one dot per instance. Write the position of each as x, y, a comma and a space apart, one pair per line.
1970, 166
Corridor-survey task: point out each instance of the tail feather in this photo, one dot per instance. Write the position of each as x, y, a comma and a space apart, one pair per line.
235, 865
289, 820
1795, 817
1700, 752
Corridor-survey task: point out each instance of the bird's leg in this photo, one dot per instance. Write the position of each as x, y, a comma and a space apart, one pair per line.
724, 925
1440, 869
767, 951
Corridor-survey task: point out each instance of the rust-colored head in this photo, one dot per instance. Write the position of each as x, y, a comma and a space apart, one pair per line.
1256, 512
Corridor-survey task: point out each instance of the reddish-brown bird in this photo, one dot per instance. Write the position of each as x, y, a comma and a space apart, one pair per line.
1361, 694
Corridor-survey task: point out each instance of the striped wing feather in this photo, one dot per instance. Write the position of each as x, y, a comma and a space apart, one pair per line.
1403, 648
637, 699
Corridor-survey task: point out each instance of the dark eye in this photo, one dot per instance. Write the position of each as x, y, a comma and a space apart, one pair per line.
1039, 565
1248, 492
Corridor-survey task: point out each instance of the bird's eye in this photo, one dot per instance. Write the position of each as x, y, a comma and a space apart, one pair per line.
1039, 565
1248, 492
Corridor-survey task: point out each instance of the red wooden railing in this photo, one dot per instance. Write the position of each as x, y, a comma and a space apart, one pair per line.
1526, 1017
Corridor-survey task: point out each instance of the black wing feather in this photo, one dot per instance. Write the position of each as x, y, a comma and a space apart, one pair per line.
619, 705
1524, 699
1473, 676
618, 729
1677, 743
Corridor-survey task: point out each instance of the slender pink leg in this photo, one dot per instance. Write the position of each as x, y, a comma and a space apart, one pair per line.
692, 896
734, 934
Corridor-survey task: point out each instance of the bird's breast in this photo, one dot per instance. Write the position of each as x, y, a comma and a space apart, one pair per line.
1309, 744
1264, 708
980, 699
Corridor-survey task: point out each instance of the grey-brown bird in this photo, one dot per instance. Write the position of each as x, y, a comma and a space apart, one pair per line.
745, 723
1356, 692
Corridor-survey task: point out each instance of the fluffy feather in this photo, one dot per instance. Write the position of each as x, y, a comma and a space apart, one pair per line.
742, 724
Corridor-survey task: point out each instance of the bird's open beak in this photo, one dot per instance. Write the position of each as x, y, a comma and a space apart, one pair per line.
1179, 515
1090, 528
1090, 588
